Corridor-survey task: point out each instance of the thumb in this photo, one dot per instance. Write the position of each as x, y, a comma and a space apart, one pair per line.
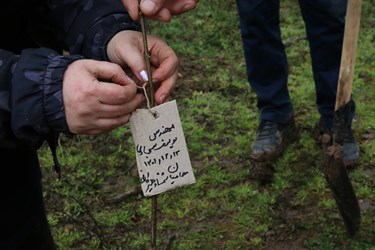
150, 7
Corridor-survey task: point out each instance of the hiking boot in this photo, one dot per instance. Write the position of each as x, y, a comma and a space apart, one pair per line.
350, 148
271, 140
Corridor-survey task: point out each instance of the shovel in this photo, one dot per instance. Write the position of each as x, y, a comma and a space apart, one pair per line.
334, 168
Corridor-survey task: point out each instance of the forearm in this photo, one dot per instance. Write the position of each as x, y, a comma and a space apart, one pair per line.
31, 99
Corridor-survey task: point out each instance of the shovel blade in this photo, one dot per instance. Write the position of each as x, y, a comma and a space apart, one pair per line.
338, 181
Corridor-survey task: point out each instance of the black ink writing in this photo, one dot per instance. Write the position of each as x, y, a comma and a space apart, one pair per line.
161, 159
156, 146
160, 132
162, 178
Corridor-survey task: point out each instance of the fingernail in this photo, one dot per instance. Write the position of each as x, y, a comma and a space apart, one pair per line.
162, 98
143, 75
130, 80
187, 7
148, 6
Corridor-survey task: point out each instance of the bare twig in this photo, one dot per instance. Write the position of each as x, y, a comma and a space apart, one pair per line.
120, 197
151, 98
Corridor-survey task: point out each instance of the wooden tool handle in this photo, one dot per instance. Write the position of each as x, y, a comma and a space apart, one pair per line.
349, 47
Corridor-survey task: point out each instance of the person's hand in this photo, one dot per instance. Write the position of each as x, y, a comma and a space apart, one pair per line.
160, 10
126, 49
98, 97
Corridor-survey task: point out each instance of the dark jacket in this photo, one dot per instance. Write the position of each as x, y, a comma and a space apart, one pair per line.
34, 34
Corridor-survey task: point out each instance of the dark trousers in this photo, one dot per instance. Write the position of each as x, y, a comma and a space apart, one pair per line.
266, 62
22, 215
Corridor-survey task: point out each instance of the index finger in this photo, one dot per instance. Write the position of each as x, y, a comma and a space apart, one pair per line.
178, 7
113, 94
131, 7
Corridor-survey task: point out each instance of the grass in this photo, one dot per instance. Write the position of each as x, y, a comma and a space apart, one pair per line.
226, 208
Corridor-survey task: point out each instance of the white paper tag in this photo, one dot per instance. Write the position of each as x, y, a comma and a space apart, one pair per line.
162, 155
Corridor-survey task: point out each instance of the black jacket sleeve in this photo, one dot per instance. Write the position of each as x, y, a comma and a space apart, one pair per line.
85, 27
31, 107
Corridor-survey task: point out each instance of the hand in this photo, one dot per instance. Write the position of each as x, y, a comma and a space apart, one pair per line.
98, 97
126, 50
161, 10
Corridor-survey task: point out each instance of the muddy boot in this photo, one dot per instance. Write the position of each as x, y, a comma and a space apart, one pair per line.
350, 146
271, 140
350, 149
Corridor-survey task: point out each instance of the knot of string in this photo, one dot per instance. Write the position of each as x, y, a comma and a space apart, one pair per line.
154, 113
